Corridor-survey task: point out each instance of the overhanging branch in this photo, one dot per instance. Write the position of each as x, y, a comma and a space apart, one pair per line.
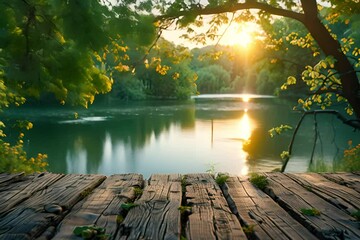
355, 123
210, 10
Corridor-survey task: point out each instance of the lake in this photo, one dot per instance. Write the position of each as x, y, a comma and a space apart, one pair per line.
217, 133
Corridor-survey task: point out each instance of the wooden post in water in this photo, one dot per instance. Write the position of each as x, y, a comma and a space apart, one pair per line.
212, 133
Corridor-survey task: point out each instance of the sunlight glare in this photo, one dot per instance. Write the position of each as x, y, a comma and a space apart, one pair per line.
240, 35
244, 38
245, 127
245, 170
246, 99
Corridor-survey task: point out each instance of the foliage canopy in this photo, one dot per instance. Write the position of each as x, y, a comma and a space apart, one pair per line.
50, 50
334, 77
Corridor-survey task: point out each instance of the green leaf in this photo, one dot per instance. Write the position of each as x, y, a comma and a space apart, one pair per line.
128, 206
78, 230
310, 211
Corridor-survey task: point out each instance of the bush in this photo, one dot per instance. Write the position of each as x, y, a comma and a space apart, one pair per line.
14, 159
351, 159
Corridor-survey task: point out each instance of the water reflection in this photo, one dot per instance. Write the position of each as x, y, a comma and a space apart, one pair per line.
76, 157
245, 126
164, 140
162, 137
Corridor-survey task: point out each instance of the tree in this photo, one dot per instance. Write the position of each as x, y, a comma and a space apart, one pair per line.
51, 48
166, 72
307, 12
48, 47
213, 79
236, 66
283, 57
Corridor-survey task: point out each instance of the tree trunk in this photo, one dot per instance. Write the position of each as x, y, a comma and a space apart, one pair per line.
331, 47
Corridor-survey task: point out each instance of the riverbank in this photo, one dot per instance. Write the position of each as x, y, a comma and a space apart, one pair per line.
171, 206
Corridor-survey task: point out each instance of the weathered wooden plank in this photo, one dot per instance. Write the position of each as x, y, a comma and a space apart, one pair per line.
350, 180
332, 223
34, 215
6, 178
156, 215
346, 199
16, 183
258, 210
102, 206
16, 192
211, 217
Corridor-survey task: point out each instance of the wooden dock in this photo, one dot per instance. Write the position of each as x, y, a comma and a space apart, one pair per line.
174, 206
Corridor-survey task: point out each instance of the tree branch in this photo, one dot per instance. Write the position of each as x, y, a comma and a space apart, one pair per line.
148, 51
210, 10
316, 133
227, 27
355, 123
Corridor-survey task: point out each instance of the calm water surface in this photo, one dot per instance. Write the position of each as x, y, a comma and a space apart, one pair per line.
161, 136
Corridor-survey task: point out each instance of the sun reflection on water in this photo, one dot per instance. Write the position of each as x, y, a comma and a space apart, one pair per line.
245, 128
246, 98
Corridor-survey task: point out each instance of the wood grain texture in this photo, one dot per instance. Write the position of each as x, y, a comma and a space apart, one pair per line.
30, 218
49, 206
350, 180
102, 206
211, 217
332, 223
344, 198
156, 215
6, 178
256, 209
21, 187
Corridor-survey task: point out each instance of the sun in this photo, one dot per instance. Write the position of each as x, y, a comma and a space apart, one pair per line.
244, 38
240, 35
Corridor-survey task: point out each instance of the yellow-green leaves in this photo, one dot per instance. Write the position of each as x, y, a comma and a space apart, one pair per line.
356, 52
284, 155
304, 42
14, 158
347, 44
162, 69
278, 130
323, 83
290, 81
8, 97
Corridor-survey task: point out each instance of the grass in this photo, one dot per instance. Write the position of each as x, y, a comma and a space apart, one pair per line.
185, 209
183, 184
249, 231
124, 209
128, 206
138, 191
356, 215
310, 211
260, 181
221, 178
